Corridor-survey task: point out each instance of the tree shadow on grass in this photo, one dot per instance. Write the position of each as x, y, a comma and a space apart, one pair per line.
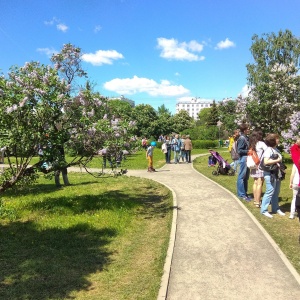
41, 188
147, 205
50, 263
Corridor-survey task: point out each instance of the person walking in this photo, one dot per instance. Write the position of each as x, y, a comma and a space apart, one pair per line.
243, 175
188, 147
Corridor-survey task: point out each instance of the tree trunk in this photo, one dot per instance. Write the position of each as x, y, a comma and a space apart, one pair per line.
56, 177
65, 176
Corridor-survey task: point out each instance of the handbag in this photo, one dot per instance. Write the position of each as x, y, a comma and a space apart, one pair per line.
253, 161
269, 168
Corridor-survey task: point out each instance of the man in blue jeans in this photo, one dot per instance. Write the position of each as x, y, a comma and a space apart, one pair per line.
243, 176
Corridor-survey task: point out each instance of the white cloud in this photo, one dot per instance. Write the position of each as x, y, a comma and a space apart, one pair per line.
62, 27
102, 57
49, 52
97, 28
51, 22
245, 91
225, 44
173, 50
144, 85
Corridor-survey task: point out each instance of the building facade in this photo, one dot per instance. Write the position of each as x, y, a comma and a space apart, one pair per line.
193, 106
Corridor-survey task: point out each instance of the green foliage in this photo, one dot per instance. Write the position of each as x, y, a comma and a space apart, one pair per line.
38, 111
213, 117
162, 110
203, 116
274, 81
182, 121
145, 117
203, 132
121, 109
205, 144
227, 112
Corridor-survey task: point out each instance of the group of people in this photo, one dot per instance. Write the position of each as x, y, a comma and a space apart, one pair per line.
181, 146
269, 170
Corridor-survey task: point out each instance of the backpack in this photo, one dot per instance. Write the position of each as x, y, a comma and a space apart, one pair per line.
233, 151
252, 159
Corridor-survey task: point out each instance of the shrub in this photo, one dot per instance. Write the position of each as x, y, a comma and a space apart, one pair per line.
204, 144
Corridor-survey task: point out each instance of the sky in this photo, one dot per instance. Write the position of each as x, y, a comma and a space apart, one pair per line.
152, 52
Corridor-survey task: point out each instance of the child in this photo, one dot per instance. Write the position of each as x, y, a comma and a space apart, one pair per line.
149, 156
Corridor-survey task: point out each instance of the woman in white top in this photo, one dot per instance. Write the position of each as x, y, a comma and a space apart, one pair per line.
294, 185
256, 143
271, 156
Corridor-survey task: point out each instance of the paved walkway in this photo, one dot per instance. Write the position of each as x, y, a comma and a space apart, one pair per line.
217, 248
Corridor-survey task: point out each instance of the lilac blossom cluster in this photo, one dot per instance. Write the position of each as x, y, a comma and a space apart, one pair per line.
289, 136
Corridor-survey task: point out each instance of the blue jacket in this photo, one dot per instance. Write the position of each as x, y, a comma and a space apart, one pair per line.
242, 145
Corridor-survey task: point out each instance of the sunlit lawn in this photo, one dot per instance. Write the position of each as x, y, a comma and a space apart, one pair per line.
96, 239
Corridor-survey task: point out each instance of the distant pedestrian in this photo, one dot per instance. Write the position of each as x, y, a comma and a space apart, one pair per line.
144, 143
182, 150
176, 144
188, 147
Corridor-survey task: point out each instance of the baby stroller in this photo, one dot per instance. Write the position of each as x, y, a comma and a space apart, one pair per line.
224, 167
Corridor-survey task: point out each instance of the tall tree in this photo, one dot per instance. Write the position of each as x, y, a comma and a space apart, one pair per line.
204, 116
162, 110
213, 114
145, 117
274, 81
182, 120
121, 109
227, 111
38, 110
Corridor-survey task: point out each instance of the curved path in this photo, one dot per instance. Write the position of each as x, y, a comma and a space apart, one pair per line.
218, 250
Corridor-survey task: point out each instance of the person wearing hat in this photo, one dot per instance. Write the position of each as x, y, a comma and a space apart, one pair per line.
149, 156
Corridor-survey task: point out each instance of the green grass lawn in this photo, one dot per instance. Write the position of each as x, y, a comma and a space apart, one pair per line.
283, 230
135, 161
96, 239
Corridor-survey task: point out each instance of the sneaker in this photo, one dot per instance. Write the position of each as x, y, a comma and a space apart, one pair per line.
249, 197
267, 214
292, 216
246, 198
279, 212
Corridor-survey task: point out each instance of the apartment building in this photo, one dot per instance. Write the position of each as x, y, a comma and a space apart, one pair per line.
193, 106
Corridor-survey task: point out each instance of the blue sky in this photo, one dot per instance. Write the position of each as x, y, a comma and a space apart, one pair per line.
154, 52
